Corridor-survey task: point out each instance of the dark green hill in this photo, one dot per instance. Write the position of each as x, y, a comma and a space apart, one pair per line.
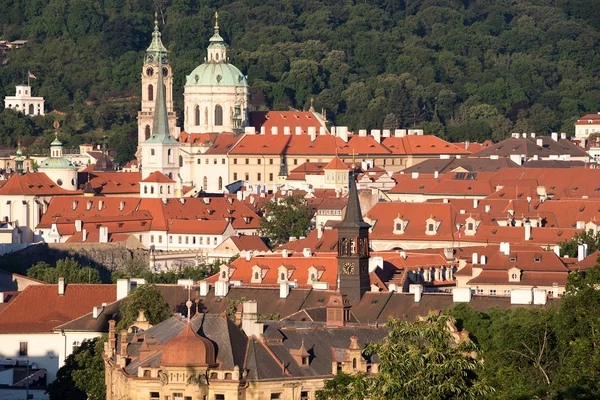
460, 69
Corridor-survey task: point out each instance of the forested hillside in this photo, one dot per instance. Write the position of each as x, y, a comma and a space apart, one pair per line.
460, 69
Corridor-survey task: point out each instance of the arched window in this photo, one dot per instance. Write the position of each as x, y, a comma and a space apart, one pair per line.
150, 93
169, 189
206, 116
31, 112
256, 276
282, 277
170, 175
197, 115
204, 183
218, 115
223, 275
161, 190
147, 133
220, 183
181, 161
169, 156
151, 189
354, 363
152, 152
145, 189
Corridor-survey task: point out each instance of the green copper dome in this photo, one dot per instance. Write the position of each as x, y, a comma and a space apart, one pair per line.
216, 74
56, 163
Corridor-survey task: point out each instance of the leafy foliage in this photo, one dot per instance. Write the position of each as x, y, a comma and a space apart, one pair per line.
417, 360
569, 247
286, 217
82, 375
139, 269
145, 297
67, 268
532, 66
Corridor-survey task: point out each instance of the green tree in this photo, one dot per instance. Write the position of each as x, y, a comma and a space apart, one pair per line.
569, 247
67, 268
285, 217
89, 374
148, 298
418, 360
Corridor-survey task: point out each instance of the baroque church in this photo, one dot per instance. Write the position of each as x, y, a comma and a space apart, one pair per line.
215, 100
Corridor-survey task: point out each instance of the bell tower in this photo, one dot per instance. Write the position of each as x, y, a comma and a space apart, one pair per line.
353, 249
155, 54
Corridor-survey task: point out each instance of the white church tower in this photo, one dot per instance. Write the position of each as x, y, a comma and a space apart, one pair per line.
156, 54
216, 92
160, 152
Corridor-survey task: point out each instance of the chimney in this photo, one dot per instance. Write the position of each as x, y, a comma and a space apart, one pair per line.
312, 132
322, 130
122, 288
61, 286
1, 297
112, 340
284, 253
482, 260
84, 235
103, 234
249, 130
539, 142
475, 203
415, 175
123, 347
250, 324
319, 232
298, 130
555, 136
417, 290
563, 135
527, 230
121, 206
363, 133
556, 250
286, 130
436, 174
263, 130
100, 205
306, 252
377, 134
204, 287
284, 290
96, 311
78, 225
488, 208
249, 255
387, 133
506, 248
342, 133
274, 130
448, 253
581, 252
474, 258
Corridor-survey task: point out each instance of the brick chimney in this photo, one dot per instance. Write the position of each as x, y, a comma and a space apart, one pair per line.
112, 340
61, 286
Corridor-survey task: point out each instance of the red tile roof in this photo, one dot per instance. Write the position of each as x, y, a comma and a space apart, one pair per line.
158, 177
223, 143
282, 119
336, 164
33, 184
197, 138
421, 145
39, 308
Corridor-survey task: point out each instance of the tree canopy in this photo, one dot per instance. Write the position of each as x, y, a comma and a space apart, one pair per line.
67, 268
145, 297
285, 217
461, 69
417, 360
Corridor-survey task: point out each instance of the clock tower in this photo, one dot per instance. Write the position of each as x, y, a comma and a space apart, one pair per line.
353, 249
156, 55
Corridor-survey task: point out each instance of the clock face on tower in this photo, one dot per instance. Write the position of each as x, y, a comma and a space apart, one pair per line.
348, 268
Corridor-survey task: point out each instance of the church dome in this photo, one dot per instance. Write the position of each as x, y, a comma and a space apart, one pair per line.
216, 74
56, 163
188, 349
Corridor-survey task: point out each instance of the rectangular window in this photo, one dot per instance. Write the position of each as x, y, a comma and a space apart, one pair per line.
187, 240
247, 161
206, 161
170, 238
23, 349
151, 238
219, 397
140, 238
222, 161
154, 395
271, 161
177, 396
179, 239
271, 177
247, 176
275, 396
235, 160
258, 176
295, 161
259, 161
201, 239
193, 239
159, 238
304, 396
215, 161
492, 292
235, 176
199, 161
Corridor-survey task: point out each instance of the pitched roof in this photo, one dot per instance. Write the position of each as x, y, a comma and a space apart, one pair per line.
33, 184
420, 145
158, 177
282, 119
336, 164
39, 308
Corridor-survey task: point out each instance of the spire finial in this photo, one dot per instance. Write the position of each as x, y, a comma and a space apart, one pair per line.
216, 20
312, 108
188, 304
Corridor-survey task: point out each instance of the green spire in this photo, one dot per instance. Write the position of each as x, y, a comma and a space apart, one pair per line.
156, 51
160, 125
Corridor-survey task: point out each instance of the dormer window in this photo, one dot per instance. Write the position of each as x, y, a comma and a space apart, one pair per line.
471, 226
432, 226
400, 225
514, 275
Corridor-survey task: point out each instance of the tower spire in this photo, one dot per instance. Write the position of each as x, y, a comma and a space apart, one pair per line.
160, 124
353, 217
156, 51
